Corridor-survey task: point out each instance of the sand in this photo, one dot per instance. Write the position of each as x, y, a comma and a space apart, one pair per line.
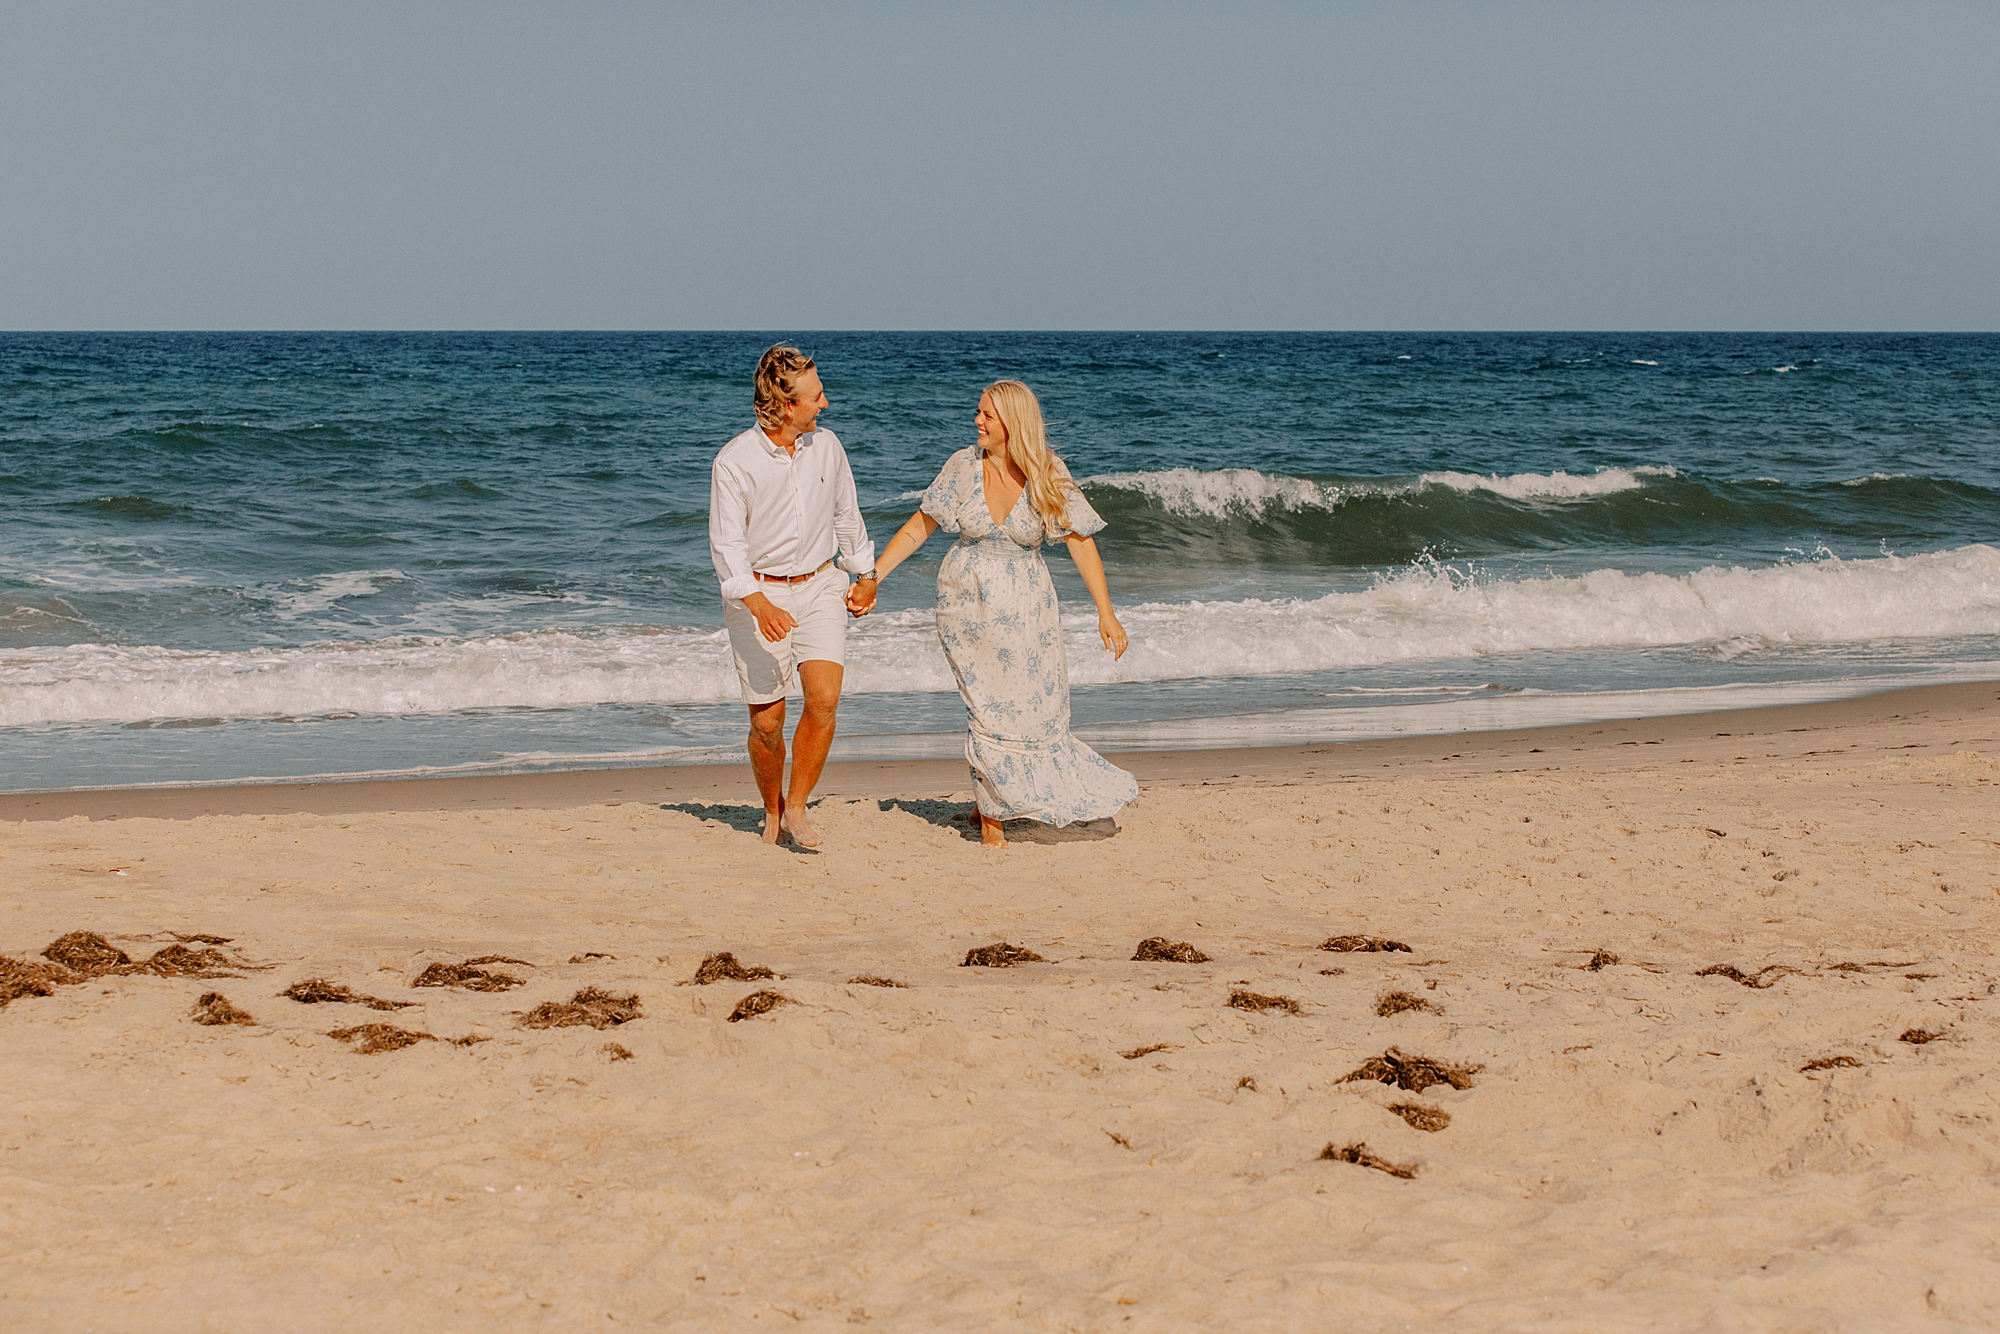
1086, 1142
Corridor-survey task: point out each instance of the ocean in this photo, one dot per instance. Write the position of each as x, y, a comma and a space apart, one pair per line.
229, 557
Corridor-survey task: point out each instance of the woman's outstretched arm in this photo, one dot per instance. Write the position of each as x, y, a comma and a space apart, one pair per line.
1090, 565
861, 597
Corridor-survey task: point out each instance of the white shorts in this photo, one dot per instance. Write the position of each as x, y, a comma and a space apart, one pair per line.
819, 605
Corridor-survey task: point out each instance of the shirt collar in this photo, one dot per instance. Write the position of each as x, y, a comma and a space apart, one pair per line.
771, 448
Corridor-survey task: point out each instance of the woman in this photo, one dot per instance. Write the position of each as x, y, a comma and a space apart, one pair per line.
997, 616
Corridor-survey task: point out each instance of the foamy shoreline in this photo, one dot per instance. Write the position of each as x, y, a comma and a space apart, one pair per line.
1642, 1140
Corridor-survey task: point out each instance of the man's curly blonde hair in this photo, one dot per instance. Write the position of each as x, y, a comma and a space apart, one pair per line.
778, 372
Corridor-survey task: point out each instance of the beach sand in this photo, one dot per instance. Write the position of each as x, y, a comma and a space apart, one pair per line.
1086, 1142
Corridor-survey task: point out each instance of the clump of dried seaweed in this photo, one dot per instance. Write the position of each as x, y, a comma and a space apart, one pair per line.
1421, 1116
319, 991
874, 980
180, 961
1000, 955
1358, 1154
1413, 1074
1831, 1063
368, 1039
1146, 1050
1158, 949
724, 968
87, 953
1251, 1000
1601, 959
617, 1051
468, 975
1395, 1002
24, 977
1762, 978
756, 1003
1362, 945
592, 1006
1917, 1037
214, 1008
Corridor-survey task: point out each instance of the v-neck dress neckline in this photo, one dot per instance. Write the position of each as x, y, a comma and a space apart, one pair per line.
1000, 522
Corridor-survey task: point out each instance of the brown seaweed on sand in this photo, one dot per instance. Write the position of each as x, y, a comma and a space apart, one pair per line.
467, 975
1250, 1000
180, 961
1761, 979
617, 1051
1000, 955
86, 952
1601, 959
368, 1039
1917, 1037
1413, 1074
874, 980
1363, 945
1421, 1116
592, 1006
724, 968
1831, 1063
319, 991
1158, 949
214, 1008
1395, 1002
1358, 1154
756, 1003
24, 977
1146, 1050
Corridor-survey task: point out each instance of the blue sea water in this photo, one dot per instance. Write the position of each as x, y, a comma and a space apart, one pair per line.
263, 555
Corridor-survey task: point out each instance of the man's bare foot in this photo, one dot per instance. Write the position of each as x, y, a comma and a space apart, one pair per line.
774, 823
800, 828
991, 832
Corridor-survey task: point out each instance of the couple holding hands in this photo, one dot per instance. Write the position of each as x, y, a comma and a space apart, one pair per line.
784, 522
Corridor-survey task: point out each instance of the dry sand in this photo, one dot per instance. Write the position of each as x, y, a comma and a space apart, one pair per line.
1082, 1143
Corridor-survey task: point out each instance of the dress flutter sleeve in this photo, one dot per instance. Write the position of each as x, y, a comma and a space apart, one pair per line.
1079, 519
948, 491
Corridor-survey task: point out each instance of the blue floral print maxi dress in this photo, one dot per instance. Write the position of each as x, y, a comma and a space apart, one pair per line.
1002, 631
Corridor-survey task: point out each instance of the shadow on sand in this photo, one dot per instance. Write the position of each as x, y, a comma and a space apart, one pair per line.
959, 817
743, 819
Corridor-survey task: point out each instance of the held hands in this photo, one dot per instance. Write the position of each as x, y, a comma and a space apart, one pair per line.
861, 596
773, 621
1112, 633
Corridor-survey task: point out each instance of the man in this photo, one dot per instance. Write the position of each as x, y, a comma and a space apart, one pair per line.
783, 522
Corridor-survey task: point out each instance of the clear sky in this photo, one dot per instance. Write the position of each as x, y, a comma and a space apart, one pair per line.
936, 165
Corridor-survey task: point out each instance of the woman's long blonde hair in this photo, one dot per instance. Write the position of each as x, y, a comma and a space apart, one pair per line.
1049, 484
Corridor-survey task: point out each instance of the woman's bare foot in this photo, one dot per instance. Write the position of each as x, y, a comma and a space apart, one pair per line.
774, 823
991, 832
800, 828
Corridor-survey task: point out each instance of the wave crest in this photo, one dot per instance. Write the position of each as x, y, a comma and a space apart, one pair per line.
1422, 613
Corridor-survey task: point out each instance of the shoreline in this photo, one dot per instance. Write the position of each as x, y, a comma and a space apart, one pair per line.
1945, 704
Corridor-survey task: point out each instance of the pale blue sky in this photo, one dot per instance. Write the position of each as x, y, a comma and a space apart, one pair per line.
1327, 166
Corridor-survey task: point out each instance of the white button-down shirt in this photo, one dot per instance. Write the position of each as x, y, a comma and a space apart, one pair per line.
778, 513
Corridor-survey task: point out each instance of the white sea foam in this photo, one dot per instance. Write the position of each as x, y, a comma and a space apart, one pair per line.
1221, 493
308, 597
1421, 614
1548, 486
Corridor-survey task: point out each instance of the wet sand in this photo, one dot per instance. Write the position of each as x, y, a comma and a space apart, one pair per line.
1719, 990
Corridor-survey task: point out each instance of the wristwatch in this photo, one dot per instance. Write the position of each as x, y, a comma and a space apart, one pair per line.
869, 575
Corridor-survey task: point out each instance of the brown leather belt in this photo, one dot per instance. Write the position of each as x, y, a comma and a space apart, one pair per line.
791, 578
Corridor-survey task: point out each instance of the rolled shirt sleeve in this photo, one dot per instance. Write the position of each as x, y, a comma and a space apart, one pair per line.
850, 530
729, 531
